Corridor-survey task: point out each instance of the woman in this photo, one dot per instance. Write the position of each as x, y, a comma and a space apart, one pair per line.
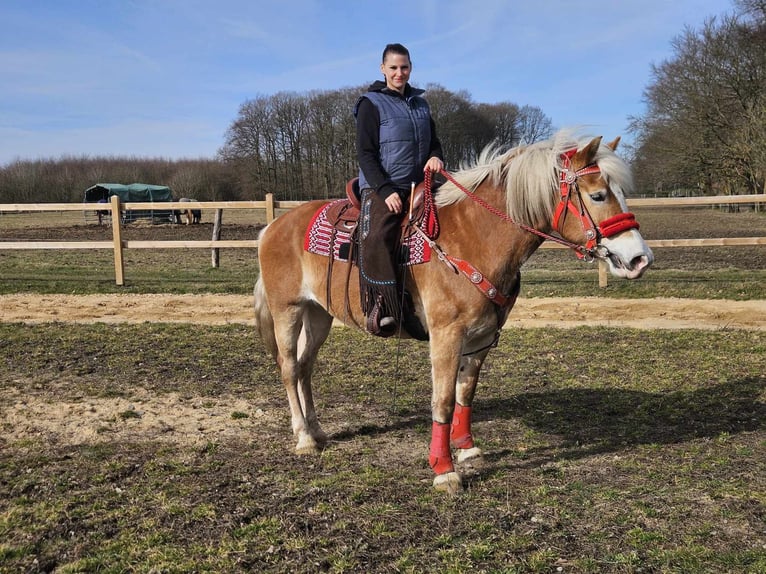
396, 142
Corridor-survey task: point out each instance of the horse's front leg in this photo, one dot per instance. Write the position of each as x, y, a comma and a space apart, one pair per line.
445, 360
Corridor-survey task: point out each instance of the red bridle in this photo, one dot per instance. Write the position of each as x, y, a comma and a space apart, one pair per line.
593, 233
568, 180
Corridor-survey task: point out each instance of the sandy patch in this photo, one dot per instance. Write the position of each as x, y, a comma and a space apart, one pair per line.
143, 416
659, 313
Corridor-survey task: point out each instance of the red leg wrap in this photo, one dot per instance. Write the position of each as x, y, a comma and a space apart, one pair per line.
461, 427
441, 457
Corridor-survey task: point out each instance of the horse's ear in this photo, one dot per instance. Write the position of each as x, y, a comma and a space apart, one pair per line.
587, 154
612, 145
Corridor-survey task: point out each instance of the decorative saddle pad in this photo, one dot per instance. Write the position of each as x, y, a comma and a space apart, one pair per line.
326, 235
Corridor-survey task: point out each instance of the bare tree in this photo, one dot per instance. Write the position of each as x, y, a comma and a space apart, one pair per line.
331, 155
534, 125
704, 122
755, 9
462, 127
504, 120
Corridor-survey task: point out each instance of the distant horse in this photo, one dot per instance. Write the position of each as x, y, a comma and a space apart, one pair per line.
102, 212
191, 215
492, 217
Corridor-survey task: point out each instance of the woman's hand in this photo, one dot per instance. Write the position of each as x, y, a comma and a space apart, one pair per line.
394, 203
434, 165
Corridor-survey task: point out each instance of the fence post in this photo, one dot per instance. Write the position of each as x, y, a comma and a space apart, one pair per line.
216, 236
269, 208
119, 261
603, 275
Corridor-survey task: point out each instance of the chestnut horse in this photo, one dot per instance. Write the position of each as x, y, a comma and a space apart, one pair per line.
492, 217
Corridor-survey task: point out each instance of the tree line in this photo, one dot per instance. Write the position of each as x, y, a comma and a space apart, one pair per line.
298, 146
704, 129
65, 180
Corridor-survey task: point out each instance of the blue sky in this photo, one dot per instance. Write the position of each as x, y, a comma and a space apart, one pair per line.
166, 78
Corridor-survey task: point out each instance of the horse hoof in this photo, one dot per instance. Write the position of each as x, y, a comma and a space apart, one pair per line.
448, 482
307, 450
308, 446
470, 456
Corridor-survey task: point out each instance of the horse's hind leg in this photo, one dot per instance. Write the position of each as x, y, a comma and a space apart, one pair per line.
300, 333
461, 436
316, 326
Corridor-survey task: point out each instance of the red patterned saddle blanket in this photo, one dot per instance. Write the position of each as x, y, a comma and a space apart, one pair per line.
331, 232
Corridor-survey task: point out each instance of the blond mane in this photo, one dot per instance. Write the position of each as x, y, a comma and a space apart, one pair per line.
530, 175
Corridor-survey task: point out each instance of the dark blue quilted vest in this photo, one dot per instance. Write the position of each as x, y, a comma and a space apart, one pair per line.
405, 137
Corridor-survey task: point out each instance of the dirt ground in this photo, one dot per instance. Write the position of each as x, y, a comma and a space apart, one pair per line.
196, 420
658, 313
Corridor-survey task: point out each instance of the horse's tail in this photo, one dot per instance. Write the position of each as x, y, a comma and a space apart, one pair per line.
264, 320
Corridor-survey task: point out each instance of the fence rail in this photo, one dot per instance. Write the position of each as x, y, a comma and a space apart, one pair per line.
270, 206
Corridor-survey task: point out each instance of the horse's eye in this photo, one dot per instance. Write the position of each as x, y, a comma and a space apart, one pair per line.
598, 196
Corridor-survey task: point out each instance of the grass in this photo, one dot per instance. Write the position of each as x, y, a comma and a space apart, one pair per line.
608, 450
708, 273
189, 271
81, 273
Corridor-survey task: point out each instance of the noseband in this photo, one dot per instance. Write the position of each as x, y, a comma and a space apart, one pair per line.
593, 233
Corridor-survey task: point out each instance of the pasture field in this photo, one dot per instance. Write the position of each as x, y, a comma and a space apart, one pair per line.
700, 273
159, 447
166, 448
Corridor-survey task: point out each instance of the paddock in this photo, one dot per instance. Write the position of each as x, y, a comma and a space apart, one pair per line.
178, 457
118, 456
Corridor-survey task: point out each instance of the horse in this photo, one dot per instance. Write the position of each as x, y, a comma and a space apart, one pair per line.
102, 213
191, 215
492, 216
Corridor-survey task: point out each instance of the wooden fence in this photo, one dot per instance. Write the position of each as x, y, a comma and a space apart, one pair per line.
117, 244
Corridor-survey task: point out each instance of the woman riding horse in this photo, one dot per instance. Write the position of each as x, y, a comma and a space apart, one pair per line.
492, 217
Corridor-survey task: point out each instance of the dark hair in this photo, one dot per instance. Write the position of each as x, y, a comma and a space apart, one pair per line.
396, 49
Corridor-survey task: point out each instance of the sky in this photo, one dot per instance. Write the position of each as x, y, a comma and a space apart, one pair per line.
166, 78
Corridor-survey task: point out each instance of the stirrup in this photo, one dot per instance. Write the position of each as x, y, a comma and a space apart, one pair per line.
380, 326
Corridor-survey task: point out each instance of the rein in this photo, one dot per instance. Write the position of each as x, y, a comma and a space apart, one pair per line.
590, 251
498, 213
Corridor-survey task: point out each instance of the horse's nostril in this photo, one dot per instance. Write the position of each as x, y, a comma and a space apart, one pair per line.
640, 262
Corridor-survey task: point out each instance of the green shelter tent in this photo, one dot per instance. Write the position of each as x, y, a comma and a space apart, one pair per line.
143, 192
